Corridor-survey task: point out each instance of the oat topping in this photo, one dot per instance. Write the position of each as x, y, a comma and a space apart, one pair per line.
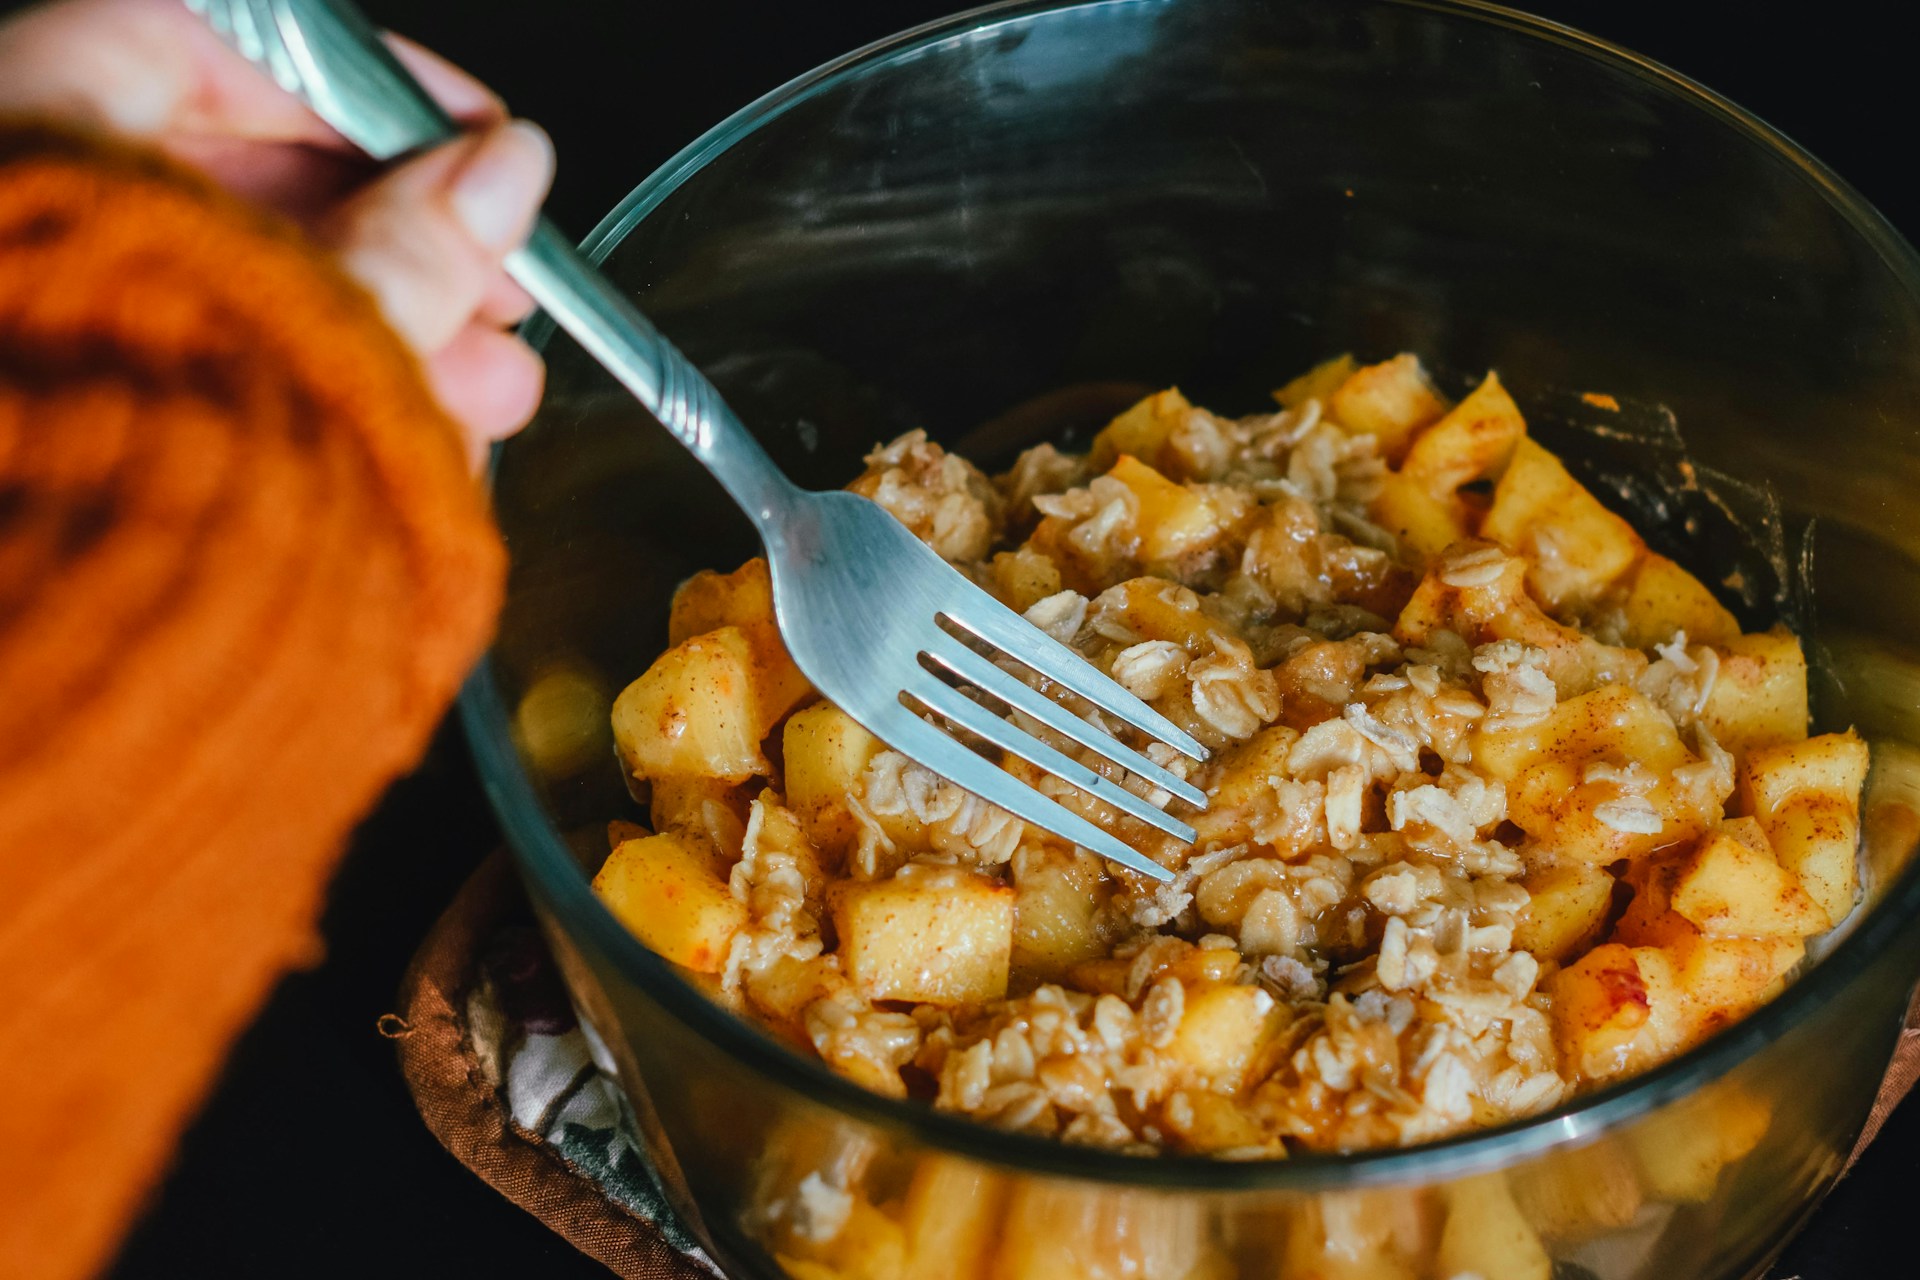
1459, 714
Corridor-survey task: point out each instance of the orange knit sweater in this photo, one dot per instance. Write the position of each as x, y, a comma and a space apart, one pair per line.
242, 570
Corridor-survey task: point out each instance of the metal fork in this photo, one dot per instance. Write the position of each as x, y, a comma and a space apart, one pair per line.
880, 624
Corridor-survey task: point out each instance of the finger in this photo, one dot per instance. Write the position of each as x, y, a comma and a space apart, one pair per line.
303, 182
487, 381
459, 94
505, 303
148, 68
142, 67
304, 179
427, 238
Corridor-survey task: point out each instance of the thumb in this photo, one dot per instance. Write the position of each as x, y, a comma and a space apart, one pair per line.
427, 239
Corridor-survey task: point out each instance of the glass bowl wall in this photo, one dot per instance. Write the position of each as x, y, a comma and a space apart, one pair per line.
1002, 228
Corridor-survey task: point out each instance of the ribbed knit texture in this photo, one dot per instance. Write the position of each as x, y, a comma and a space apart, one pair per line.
242, 570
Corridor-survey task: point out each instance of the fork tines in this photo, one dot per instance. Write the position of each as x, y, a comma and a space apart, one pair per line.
1007, 634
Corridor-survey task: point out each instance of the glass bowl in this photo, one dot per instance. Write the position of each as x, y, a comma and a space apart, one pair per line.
1003, 226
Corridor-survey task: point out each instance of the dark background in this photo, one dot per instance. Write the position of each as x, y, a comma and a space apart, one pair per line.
309, 1159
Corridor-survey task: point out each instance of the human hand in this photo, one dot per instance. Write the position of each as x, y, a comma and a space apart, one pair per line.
426, 237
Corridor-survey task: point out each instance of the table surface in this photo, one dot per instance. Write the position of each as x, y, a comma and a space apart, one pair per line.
309, 1159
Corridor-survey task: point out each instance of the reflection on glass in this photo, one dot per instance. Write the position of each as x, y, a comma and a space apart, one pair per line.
1117, 196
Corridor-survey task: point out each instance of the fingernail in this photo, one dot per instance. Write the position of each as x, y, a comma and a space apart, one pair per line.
497, 190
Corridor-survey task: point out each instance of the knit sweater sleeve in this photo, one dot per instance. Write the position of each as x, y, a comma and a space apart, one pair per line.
242, 571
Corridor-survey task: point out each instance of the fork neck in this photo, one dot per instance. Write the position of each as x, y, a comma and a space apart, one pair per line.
604, 321
737, 460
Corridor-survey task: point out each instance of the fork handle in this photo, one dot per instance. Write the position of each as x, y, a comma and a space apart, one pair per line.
614, 332
336, 60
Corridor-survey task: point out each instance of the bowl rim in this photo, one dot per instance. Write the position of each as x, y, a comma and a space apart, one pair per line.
555, 878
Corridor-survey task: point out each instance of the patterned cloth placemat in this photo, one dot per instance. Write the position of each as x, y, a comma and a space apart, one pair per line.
504, 1077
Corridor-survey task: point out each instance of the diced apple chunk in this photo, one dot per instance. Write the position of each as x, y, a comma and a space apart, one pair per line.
1056, 1229
711, 808
1574, 1194
1577, 548
1141, 431
744, 598
1155, 609
1487, 1236
1682, 1149
1221, 1030
665, 889
1716, 981
951, 1216
1650, 920
1024, 578
1732, 886
1502, 609
693, 714
1817, 838
825, 751
1391, 401
1806, 798
1615, 1011
1472, 442
1318, 383
1422, 523
1210, 1122
1722, 980
870, 1245
1057, 913
1357, 1235
1832, 764
1759, 695
1567, 909
1172, 519
783, 988
708, 601
1571, 778
1420, 504
1600, 1007
933, 934
1664, 600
